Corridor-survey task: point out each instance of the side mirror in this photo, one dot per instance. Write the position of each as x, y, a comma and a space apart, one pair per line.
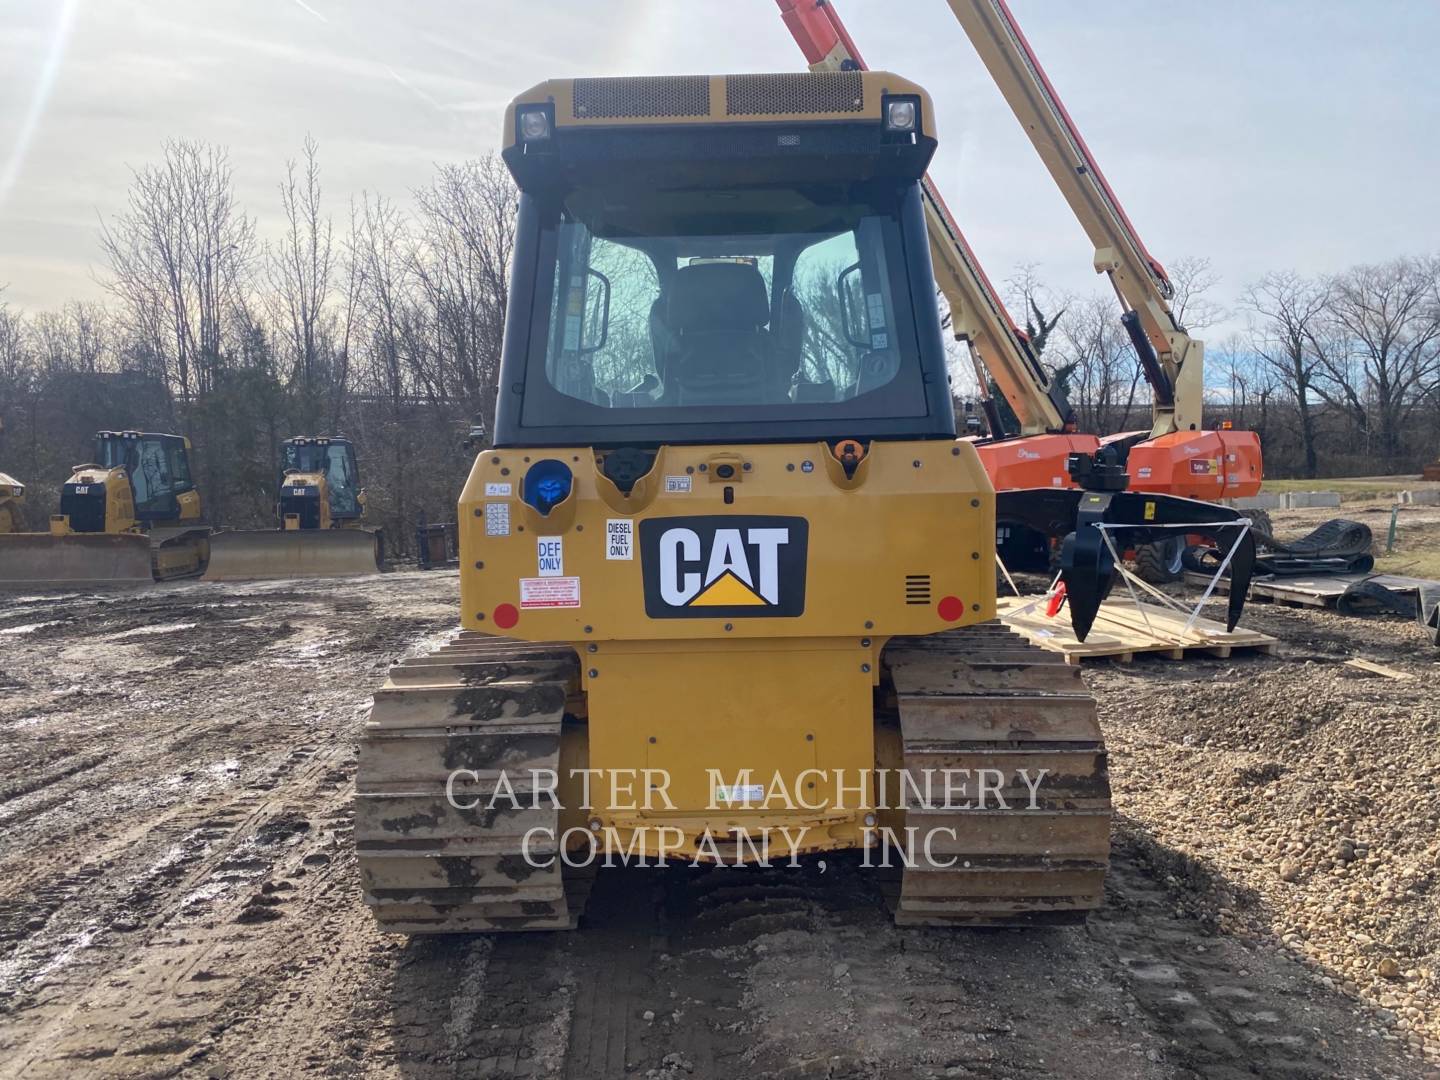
597, 301
855, 320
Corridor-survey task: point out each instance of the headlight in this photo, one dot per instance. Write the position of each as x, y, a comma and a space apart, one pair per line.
534, 125
902, 115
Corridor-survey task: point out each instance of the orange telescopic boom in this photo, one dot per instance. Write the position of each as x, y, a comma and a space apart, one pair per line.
1179, 456
1047, 437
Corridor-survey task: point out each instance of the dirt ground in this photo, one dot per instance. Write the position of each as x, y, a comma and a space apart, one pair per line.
178, 895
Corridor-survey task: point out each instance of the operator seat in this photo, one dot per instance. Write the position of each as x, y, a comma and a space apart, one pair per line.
718, 351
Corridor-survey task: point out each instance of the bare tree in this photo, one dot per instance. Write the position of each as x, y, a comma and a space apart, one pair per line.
179, 258
1040, 310
379, 249
1104, 377
1285, 312
1379, 349
77, 338
462, 267
17, 369
299, 269
1194, 279
1251, 382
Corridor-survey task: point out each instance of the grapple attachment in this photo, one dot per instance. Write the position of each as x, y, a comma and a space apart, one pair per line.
1129, 518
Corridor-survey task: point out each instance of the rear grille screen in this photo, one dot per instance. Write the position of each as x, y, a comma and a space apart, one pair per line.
86, 512
642, 95
917, 588
825, 92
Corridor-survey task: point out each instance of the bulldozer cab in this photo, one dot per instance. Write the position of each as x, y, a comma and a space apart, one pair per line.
158, 467
724, 293
333, 459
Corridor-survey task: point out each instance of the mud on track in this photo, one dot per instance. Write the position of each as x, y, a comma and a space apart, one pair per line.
178, 898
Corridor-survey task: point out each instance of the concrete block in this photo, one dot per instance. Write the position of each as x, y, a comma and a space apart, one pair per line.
1257, 502
1421, 497
1305, 500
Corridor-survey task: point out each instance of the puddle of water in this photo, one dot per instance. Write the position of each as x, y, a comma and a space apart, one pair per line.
146, 631
12, 969
306, 653
205, 893
224, 770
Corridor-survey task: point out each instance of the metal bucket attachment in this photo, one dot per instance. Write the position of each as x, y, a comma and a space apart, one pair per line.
39, 559
295, 553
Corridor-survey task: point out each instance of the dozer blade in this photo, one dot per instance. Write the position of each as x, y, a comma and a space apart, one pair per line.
295, 553
39, 559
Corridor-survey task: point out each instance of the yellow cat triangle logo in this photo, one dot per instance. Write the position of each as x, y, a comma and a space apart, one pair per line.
727, 591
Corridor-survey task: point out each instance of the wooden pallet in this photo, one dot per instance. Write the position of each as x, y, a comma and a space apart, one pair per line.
1124, 630
1322, 590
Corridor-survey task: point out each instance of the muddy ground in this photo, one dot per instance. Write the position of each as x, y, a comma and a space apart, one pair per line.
178, 896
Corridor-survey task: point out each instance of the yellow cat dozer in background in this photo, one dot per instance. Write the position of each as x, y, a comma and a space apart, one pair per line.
320, 534
12, 494
130, 517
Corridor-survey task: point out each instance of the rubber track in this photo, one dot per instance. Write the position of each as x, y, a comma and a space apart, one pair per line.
428, 865
983, 698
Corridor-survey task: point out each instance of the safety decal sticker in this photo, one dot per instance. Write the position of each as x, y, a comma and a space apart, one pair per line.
549, 592
619, 538
497, 519
677, 485
492, 489
549, 556
730, 794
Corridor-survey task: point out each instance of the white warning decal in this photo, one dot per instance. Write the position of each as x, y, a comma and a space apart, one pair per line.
677, 485
549, 592
493, 489
619, 538
549, 556
730, 794
497, 519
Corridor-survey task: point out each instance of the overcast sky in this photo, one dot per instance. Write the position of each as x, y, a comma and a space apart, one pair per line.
1265, 134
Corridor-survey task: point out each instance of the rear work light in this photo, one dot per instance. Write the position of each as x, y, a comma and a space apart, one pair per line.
533, 123
902, 114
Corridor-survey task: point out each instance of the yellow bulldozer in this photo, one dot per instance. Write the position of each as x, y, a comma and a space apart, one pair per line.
132, 516
320, 506
12, 494
727, 575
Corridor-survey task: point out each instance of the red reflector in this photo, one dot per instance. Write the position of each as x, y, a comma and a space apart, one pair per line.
505, 616
950, 608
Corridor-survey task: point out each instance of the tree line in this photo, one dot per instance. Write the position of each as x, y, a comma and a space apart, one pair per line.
1339, 374
385, 325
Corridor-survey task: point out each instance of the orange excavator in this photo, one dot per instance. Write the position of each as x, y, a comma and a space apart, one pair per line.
1177, 456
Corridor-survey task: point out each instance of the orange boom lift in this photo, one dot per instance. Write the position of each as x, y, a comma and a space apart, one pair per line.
1177, 456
